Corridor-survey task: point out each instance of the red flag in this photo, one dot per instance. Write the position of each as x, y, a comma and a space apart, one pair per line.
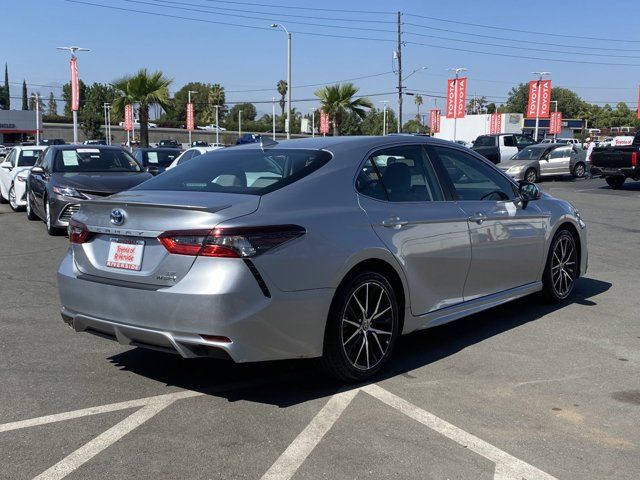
461, 97
555, 123
434, 120
324, 122
539, 103
495, 123
456, 97
128, 118
75, 87
450, 108
190, 122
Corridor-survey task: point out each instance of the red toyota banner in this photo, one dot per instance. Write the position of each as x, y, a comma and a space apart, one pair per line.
495, 123
539, 99
128, 118
75, 87
434, 120
456, 97
324, 122
555, 123
190, 122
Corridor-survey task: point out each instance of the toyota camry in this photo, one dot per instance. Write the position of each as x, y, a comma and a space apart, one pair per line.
327, 248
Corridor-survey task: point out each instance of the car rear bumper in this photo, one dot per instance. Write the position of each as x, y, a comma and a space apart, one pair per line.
284, 325
630, 172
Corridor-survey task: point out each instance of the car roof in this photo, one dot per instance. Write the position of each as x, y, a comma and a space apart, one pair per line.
29, 147
159, 149
92, 147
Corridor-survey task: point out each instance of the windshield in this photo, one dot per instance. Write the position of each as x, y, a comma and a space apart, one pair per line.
94, 160
529, 153
161, 159
240, 171
485, 141
28, 158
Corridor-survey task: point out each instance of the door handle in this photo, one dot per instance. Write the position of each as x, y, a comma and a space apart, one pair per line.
394, 222
477, 218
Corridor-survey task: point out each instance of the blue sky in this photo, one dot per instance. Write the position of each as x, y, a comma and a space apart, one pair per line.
254, 58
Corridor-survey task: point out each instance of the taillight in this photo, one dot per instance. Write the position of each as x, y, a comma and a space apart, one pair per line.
229, 242
78, 232
634, 159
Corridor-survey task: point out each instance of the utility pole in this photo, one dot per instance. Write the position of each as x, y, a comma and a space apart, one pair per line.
399, 57
107, 122
239, 123
217, 126
273, 117
37, 118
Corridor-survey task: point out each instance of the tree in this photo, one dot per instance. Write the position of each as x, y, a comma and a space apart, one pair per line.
52, 105
6, 100
177, 108
215, 96
351, 124
144, 89
25, 104
414, 126
32, 102
517, 99
282, 90
374, 119
337, 100
92, 111
66, 96
477, 105
418, 101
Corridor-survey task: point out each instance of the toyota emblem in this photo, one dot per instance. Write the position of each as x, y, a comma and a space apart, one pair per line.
117, 216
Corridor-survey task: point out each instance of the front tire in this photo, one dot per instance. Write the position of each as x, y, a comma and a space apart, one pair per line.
51, 230
13, 201
561, 270
615, 182
30, 213
531, 175
362, 328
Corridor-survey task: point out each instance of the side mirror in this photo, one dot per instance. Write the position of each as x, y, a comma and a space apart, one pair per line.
529, 192
37, 170
6, 166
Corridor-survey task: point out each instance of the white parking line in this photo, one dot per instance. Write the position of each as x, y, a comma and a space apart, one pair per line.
288, 463
508, 467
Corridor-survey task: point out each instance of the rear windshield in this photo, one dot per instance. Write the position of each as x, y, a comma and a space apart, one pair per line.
95, 160
28, 158
161, 159
485, 141
530, 153
240, 171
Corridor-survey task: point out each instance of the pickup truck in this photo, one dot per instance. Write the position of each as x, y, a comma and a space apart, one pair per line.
617, 163
501, 147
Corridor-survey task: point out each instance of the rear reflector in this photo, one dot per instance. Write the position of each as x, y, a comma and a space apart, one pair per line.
229, 242
216, 338
78, 232
634, 159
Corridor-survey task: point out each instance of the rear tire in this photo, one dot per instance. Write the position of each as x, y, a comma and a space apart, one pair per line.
2, 199
531, 175
365, 311
615, 182
579, 170
561, 270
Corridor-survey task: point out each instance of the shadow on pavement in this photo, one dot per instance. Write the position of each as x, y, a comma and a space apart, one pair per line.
286, 383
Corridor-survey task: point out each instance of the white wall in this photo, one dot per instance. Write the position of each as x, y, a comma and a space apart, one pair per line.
472, 126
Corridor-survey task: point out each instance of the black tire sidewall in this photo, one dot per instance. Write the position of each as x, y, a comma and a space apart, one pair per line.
547, 280
334, 357
615, 182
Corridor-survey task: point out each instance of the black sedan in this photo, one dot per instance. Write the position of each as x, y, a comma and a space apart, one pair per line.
64, 175
156, 160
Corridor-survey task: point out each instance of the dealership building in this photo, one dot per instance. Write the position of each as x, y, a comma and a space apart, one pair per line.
17, 126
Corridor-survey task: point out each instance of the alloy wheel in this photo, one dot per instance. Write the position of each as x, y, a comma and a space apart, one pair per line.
47, 214
578, 172
367, 325
563, 266
12, 198
531, 176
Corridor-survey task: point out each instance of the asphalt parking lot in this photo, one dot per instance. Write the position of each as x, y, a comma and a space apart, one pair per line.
523, 391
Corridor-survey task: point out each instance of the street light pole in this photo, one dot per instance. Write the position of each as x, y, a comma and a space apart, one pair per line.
217, 125
455, 99
313, 123
239, 123
73, 50
194, 113
273, 117
37, 118
384, 118
288, 123
540, 75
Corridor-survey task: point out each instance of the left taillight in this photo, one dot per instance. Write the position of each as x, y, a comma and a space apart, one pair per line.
229, 242
78, 232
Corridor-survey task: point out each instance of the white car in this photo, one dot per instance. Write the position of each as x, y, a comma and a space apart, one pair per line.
13, 173
3, 150
191, 153
136, 124
212, 128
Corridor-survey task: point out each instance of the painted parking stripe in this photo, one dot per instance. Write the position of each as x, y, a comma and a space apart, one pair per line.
508, 467
288, 463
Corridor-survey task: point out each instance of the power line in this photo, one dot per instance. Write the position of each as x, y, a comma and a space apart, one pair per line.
537, 42
314, 17
312, 84
297, 7
523, 57
518, 30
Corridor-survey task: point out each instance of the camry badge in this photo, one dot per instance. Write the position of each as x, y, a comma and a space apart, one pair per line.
117, 217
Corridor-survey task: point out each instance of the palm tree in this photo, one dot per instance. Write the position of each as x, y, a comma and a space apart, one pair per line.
338, 99
418, 101
282, 90
143, 89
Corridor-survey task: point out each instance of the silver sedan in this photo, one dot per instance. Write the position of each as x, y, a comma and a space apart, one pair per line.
328, 247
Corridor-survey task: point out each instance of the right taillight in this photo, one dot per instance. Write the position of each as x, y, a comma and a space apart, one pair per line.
634, 159
229, 242
78, 232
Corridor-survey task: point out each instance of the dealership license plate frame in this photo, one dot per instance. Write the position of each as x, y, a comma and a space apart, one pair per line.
134, 265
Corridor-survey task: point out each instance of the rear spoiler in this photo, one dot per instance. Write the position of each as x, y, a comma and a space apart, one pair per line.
120, 203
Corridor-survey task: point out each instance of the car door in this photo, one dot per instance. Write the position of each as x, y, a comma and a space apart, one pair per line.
559, 160
7, 165
508, 148
402, 197
507, 237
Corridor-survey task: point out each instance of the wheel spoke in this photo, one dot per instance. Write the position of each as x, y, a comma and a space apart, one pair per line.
375, 336
382, 313
379, 332
351, 337
366, 300
366, 348
364, 312
346, 320
355, 361
378, 304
